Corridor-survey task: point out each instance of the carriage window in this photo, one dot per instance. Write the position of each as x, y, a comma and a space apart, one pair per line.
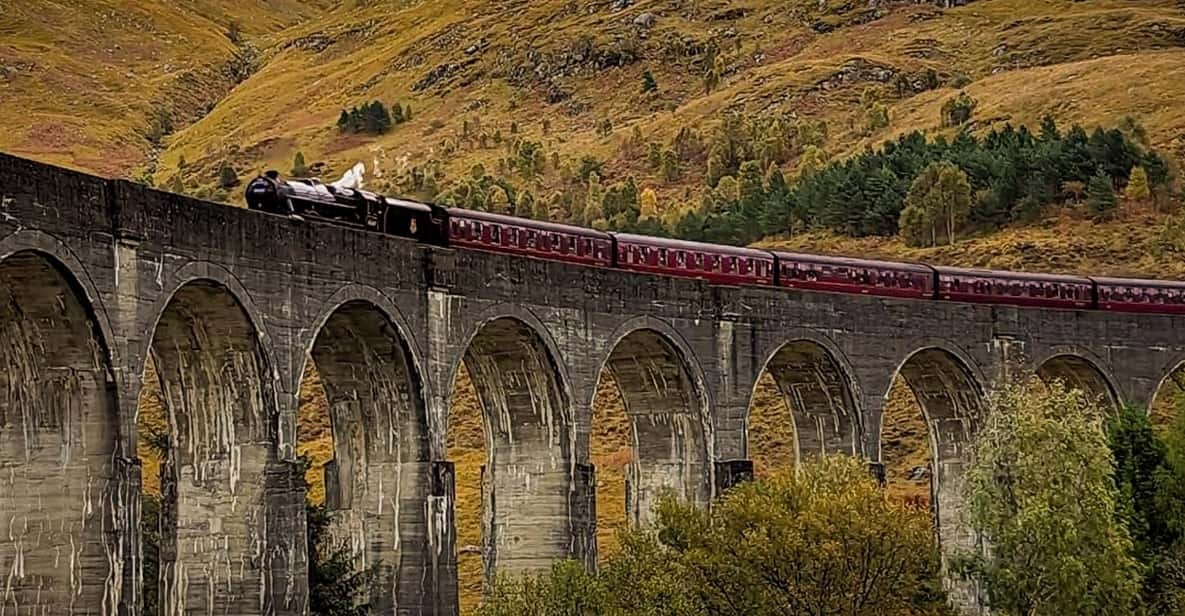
699, 260
571, 244
681, 259
530, 239
496, 233
662, 257
556, 241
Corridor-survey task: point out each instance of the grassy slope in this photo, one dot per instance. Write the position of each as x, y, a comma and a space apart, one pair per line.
1026, 58
79, 79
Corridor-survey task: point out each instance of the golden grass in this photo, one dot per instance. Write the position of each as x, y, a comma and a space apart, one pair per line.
771, 429
85, 75
1057, 57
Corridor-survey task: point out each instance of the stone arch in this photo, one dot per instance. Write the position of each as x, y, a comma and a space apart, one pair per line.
1164, 401
60, 440
529, 510
64, 259
227, 498
377, 482
949, 393
1076, 371
666, 402
814, 380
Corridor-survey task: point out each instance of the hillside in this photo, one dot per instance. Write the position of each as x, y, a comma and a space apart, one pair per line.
553, 73
88, 83
550, 95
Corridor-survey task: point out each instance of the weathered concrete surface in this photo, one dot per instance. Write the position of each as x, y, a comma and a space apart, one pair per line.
668, 412
217, 545
530, 471
58, 434
232, 303
378, 480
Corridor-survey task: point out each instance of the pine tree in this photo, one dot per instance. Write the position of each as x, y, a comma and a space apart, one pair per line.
299, 169
670, 166
176, 186
1100, 196
751, 189
525, 206
592, 208
1137, 185
541, 208
227, 178
654, 156
648, 83
397, 113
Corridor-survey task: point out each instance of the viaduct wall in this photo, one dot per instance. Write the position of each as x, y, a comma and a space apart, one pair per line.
98, 275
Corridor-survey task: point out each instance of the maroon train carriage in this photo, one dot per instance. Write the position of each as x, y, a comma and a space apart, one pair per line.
495, 232
711, 262
847, 275
1018, 288
1137, 295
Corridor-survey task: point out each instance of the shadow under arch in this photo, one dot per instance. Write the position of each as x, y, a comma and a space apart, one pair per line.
670, 431
1078, 372
530, 509
952, 402
815, 385
378, 479
60, 441
226, 496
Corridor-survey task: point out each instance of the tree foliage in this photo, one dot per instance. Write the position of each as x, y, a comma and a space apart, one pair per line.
336, 586
1101, 197
958, 110
649, 84
937, 205
824, 541
1040, 490
372, 118
227, 178
299, 167
1137, 185
1012, 173
1151, 482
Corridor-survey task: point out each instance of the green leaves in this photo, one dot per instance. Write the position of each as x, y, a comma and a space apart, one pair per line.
1040, 489
824, 541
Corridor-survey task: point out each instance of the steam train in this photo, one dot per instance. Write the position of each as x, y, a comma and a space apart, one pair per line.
474, 230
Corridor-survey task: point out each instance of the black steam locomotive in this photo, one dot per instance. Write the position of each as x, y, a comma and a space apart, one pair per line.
345, 205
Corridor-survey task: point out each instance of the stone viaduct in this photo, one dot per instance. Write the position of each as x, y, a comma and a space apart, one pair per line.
97, 275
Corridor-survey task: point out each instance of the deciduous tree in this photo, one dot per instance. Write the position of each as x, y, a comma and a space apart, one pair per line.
824, 541
1040, 490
